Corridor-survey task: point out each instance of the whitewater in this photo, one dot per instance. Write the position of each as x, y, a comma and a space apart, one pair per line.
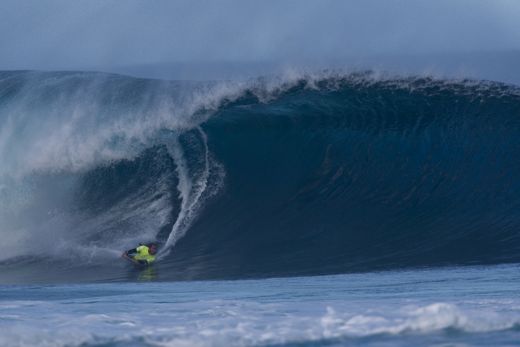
471, 306
306, 208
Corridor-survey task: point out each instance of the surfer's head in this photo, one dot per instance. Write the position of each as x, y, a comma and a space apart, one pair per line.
152, 248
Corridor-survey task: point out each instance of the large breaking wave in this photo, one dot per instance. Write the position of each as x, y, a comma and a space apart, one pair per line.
300, 174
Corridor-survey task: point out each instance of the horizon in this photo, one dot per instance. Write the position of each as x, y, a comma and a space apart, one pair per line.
105, 36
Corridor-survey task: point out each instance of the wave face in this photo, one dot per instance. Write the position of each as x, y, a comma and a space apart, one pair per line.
293, 175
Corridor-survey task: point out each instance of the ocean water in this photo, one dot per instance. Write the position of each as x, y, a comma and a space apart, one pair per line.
290, 210
457, 306
299, 174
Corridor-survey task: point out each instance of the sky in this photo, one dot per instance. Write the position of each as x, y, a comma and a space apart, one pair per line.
104, 35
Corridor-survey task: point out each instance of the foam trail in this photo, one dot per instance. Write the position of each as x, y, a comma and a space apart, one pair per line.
190, 192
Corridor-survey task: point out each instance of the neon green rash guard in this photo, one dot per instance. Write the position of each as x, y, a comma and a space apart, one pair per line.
144, 254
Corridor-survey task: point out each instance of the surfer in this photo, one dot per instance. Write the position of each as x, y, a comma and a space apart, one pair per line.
142, 255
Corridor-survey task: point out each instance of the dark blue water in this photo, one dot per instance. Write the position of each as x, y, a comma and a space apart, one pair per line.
296, 175
287, 177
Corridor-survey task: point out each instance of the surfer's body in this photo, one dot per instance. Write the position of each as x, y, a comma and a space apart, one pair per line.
142, 255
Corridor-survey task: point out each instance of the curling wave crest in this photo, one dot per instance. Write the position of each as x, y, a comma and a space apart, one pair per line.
294, 174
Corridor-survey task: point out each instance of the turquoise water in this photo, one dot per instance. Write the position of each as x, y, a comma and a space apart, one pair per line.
463, 306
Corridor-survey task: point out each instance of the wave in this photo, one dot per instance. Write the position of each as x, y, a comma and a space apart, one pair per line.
410, 325
295, 174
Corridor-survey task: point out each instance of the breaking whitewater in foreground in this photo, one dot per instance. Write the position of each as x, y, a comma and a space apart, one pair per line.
470, 306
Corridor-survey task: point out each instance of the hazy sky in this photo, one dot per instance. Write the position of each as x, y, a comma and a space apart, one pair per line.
74, 34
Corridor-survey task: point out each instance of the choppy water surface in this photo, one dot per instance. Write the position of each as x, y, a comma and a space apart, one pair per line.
469, 306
